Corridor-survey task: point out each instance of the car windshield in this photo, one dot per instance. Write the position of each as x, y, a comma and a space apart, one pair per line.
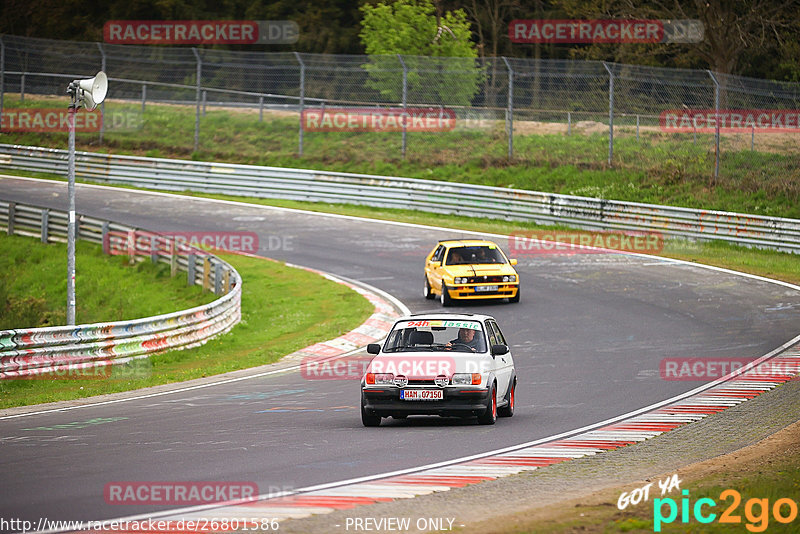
436, 335
475, 255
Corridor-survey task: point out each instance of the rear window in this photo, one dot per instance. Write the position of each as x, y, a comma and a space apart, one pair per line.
436, 335
476, 255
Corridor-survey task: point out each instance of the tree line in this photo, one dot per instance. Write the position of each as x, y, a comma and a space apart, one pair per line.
757, 38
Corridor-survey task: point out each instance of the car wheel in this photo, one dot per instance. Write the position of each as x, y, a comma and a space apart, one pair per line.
490, 415
367, 418
515, 298
444, 298
427, 291
508, 409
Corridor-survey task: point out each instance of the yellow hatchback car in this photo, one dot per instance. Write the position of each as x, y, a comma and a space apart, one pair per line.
469, 269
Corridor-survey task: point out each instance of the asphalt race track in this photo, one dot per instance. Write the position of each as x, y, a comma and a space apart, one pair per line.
587, 339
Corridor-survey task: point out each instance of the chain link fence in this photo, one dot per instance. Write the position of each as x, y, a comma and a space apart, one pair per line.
589, 114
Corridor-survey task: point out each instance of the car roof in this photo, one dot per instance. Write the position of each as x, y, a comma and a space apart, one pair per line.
445, 315
466, 242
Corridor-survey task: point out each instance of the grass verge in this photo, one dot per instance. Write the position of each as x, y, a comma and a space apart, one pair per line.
33, 288
657, 168
283, 310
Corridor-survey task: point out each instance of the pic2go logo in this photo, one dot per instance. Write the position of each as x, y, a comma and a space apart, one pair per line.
756, 511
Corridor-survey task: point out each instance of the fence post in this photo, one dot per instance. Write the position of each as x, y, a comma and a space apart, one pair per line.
190, 267
144, 96
173, 258
405, 100
716, 126
752, 138
510, 109
226, 281
610, 113
2, 77
204, 102
206, 274
106, 240
217, 278
197, 100
45, 224
103, 103
22, 88
260, 109
569, 123
11, 215
637, 127
302, 99
153, 249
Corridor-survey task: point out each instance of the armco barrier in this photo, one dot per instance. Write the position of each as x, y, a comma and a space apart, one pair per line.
34, 351
426, 195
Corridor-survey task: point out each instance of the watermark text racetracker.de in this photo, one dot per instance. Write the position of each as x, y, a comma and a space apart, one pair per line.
705, 369
730, 120
567, 242
605, 31
163, 32
140, 243
143, 526
57, 120
378, 119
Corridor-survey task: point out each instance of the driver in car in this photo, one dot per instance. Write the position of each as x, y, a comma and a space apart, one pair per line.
466, 337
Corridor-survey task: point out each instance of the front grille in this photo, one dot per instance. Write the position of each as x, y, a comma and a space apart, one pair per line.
484, 279
422, 382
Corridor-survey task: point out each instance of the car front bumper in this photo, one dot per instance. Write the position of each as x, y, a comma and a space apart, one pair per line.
461, 402
468, 292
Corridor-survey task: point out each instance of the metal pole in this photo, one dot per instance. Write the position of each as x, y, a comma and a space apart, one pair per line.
569, 123
260, 109
22, 88
716, 127
610, 113
405, 98
752, 138
204, 102
103, 103
510, 109
197, 100
2, 77
144, 96
637, 127
302, 99
71, 219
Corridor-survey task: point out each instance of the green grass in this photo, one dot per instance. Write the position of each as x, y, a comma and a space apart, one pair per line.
33, 288
659, 168
283, 310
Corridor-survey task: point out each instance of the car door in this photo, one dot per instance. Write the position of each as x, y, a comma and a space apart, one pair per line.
504, 363
435, 273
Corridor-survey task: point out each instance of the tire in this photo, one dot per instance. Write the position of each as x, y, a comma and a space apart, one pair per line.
369, 419
508, 409
427, 293
490, 415
515, 298
444, 298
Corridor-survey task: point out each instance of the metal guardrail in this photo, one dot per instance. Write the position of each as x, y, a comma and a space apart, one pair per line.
35, 351
408, 193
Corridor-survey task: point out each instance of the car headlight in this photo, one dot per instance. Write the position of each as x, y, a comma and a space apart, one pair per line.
460, 280
466, 379
380, 378
511, 278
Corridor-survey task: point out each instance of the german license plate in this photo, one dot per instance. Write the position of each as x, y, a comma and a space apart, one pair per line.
482, 289
421, 394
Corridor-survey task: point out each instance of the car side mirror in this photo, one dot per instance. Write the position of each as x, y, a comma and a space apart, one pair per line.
513, 261
499, 349
435, 264
373, 348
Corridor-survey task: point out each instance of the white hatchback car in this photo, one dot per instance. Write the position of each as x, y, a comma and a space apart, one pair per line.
440, 364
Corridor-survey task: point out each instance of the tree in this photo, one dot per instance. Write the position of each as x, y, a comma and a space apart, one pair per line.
416, 28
